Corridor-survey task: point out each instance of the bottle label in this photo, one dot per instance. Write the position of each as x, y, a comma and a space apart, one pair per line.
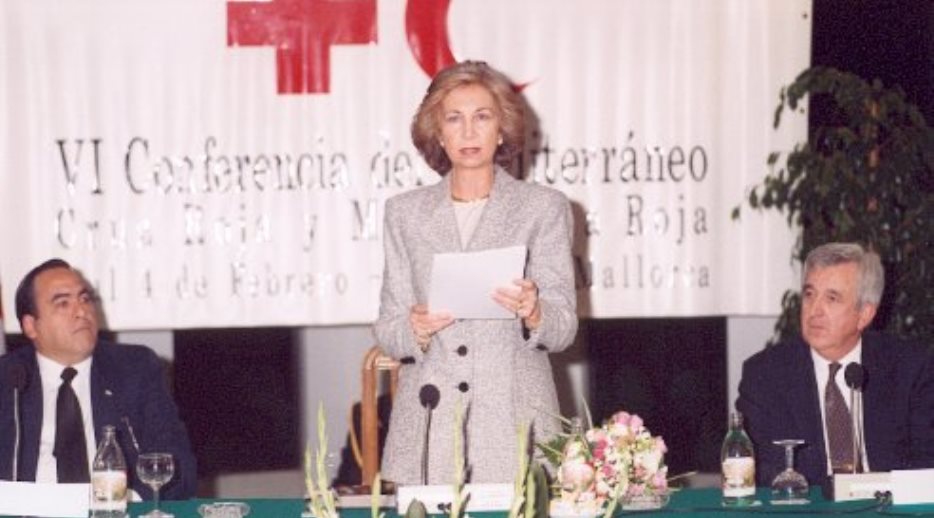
739, 477
108, 491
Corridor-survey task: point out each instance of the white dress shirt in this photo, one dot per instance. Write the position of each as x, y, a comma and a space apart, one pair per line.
822, 373
51, 373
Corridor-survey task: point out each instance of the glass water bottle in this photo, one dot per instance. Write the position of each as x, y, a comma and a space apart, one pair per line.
108, 478
738, 463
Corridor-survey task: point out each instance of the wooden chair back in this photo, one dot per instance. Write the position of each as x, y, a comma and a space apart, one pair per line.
374, 363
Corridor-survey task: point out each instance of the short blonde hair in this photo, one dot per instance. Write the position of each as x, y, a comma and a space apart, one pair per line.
426, 130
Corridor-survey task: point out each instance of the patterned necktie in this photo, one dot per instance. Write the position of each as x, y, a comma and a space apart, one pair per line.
70, 445
839, 425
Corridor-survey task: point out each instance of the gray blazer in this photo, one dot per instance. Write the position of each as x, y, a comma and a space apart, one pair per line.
499, 376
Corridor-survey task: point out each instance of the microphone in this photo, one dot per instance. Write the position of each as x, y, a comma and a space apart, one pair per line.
855, 377
17, 375
429, 395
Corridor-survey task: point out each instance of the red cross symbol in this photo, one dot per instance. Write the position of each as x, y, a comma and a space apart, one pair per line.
302, 32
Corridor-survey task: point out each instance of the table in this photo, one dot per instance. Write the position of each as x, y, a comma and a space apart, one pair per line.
700, 503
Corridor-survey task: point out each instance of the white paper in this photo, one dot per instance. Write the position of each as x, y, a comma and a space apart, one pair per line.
51, 500
913, 486
462, 284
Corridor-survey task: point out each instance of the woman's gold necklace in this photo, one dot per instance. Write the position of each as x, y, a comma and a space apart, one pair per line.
469, 200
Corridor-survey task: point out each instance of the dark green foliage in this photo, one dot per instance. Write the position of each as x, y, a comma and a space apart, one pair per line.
553, 450
542, 496
866, 176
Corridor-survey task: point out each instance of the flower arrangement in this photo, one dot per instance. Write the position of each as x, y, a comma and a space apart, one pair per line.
619, 460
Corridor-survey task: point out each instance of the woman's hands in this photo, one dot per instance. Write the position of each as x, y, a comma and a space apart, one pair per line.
425, 324
522, 301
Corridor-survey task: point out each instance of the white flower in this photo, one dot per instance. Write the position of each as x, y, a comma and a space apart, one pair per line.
650, 460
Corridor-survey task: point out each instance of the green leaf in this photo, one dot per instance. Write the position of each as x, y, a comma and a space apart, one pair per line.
538, 480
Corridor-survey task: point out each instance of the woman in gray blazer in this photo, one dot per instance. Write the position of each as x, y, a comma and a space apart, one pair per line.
469, 126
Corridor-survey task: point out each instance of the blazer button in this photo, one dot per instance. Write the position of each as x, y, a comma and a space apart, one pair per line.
462, 350
463, 386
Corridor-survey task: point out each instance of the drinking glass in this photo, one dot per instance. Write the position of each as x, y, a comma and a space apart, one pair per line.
154, 470
790, 487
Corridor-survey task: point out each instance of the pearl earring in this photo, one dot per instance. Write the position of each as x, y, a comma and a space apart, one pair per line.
500, 143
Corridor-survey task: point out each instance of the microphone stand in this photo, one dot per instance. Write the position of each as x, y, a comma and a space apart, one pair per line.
428, 396
425, 449
856, 405
17, 433
855, 377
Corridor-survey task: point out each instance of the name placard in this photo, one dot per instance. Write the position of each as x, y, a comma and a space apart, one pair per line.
438, 498
912, 486
39, 499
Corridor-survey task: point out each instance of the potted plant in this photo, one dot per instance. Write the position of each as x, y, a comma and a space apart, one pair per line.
865, 174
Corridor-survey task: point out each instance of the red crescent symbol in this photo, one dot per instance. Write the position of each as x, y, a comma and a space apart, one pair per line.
426, 28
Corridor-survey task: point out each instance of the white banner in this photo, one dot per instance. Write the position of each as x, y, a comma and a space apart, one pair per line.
214, 164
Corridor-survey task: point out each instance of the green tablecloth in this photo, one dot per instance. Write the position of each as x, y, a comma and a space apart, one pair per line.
259, 507
691, 502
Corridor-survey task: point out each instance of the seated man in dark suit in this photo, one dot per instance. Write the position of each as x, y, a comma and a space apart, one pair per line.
76, 384
784, 392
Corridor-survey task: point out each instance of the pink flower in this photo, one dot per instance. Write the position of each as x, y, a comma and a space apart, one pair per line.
639, 472
636, 489
621, 418
621, 456
595, 435
635, 422
576, 477
599, 449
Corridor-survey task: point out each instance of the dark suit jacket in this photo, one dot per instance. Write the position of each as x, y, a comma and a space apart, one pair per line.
127, 381
778, 395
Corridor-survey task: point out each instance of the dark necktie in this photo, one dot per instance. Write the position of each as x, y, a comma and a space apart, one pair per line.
70, 445
839, 425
